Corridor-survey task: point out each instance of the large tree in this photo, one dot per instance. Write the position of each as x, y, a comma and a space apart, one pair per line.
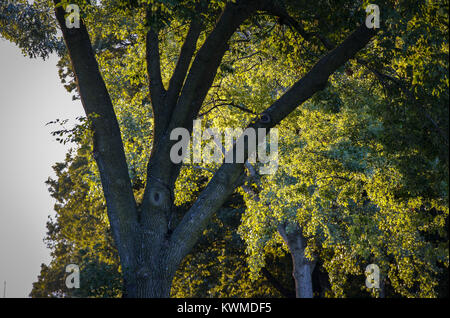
150, 240
150, 248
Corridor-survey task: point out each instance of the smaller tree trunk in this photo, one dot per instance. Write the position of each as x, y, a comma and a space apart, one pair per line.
302, 266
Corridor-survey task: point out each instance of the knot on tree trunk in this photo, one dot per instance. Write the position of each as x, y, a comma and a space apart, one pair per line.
159, 197
265, 118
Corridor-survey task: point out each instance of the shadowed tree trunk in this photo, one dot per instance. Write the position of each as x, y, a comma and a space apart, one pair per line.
150, 247
302, 266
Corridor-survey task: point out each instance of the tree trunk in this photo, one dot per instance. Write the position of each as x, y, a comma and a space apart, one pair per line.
148, 287
152, 278
302, 266
154, 287
302, 273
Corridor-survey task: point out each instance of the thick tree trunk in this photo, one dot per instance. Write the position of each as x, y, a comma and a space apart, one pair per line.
152, 278
154, 287
302, 266
148, 288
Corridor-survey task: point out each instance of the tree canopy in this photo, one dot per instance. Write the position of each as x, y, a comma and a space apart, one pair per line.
362, 173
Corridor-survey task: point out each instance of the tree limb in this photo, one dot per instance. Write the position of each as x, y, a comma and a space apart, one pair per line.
329, 45
193, 92
205, 65
108, 147
157, 90
223, 183
184, 60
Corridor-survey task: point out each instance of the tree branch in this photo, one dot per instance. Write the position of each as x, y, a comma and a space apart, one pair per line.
408, 93
207, 61
108, 147
223, 183
157, 90
184, 60
329, 45
189, 100
244, 109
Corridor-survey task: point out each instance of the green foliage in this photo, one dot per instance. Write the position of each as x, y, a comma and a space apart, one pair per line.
30, 27
359, 195
363, 165
79, 234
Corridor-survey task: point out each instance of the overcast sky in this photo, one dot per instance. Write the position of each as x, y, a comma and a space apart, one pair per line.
31, 95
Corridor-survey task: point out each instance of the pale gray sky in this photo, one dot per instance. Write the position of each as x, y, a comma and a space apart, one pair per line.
30, 96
